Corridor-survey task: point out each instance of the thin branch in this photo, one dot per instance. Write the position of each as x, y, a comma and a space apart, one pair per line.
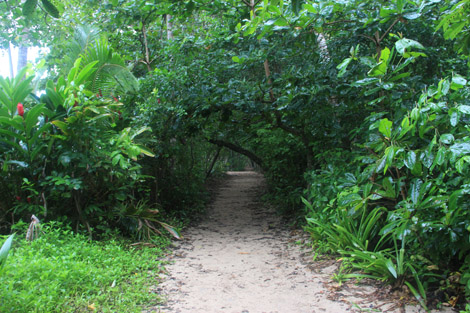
368, 37
389, 29
340, 21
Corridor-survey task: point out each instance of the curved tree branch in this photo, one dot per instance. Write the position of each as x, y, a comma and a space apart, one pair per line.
238, 149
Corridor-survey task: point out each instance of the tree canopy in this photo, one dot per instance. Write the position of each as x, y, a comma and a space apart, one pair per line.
356, 111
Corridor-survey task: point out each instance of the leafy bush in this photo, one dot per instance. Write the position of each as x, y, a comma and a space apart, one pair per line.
416, 174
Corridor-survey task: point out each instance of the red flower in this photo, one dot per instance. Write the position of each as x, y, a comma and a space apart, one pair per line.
158, 100
18, 198
20, 109
115, 99
28, 199
100, 92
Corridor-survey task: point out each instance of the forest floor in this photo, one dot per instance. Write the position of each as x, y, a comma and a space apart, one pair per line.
243, 259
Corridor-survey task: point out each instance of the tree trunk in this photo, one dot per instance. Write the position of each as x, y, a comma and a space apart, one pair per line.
214, 160
321, 40
146, 47
10, 59
22, 57
169, 28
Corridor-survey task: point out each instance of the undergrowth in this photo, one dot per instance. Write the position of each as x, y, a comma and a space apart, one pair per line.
64, 272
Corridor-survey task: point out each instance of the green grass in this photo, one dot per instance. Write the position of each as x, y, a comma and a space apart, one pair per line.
64, 272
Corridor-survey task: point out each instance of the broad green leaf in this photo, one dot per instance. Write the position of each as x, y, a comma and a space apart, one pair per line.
50, 8
389, 154
411, 15
440, 157
414, 55
446, 139
391, 268
389, 187
460, 149
31, 117
445, 87
22, 90
464, 109
281, 21
11, 122
365, 81
29, 7
405, 43
62, 126
382, 66
415, 190
427, 158
455, 29
388, 85
385, 127
386, 12
275, 9
458, 82
401, 66
55, 98
368, 61
343, 66
146, 151
417, 170
454, 117
459, 165
249, 31
310, 8
5, 249
72, 73
350, 199
454, 197
18, 136
410, 160
399, 76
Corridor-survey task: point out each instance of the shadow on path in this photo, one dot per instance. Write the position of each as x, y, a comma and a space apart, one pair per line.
241, 259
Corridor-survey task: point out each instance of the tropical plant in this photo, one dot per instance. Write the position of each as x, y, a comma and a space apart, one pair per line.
5, 249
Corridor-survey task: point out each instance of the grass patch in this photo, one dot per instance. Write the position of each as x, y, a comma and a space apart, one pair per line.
64, 272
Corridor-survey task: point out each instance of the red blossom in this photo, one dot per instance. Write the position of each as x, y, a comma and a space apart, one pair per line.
158, 100
115, 99
18, 198
28, 199
20, 109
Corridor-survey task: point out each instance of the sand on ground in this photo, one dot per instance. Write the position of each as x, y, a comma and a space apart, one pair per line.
242, 259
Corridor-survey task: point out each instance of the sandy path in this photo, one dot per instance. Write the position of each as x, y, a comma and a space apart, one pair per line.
241, 259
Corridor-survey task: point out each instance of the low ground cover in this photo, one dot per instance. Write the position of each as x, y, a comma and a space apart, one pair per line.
65, 272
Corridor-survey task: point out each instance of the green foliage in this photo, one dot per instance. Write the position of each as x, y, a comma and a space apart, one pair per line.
4, 250
360, 106
64, 272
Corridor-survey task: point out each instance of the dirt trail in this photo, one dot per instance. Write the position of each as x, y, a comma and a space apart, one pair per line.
241, 259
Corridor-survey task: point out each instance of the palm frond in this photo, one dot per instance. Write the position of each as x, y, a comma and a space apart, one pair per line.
112, 75
84, 36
